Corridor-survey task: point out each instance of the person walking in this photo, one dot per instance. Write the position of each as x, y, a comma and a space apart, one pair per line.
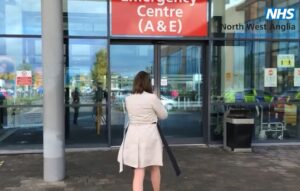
142, 146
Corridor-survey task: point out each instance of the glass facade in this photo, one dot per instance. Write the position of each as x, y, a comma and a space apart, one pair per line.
19, 17
240, 70
181, 91
85, 18
249, 59
86, 70
125, 62
21, 101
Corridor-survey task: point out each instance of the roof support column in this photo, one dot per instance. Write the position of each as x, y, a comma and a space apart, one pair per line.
53, 81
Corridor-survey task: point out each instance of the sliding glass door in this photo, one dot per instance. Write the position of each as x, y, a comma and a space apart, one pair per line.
180, 92
177, 79
125, 62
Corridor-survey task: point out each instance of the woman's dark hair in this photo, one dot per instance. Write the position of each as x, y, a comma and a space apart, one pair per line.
141, 83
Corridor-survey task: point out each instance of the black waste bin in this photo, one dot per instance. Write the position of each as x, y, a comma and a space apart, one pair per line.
238, 131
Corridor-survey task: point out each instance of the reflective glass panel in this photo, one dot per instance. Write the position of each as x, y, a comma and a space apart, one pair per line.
180, 89
21, 126
126, 62
20, 17
85, 17
21, 91
86, 91
261, 77
21, 71
255, 19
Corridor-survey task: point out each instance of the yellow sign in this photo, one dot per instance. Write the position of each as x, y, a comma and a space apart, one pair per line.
285, 60
228, 76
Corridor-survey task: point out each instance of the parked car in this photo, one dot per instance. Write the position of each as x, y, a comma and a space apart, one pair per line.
86, 90
169, 103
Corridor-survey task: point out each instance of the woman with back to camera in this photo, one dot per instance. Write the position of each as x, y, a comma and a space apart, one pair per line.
142, 147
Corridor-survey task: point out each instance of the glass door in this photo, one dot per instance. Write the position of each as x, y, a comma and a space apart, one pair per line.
125, 62
178, 69
180, 92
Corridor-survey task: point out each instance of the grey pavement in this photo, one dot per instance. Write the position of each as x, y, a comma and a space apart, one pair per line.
203, 169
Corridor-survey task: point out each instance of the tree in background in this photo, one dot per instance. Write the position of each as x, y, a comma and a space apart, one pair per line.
24, 66
99, 72
99, 69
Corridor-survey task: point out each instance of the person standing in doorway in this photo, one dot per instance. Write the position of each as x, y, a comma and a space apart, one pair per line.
7, 69
142, 146
76, 101
3, 110
99, 92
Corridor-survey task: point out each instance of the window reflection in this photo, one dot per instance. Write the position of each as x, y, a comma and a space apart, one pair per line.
180, 71
85, 18
180, 89
21, 125
243, 78
87, 67
21, 90
20, 17
86, 91
126, 62
19, 57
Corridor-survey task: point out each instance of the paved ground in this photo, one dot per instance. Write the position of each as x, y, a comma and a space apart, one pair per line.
204, 169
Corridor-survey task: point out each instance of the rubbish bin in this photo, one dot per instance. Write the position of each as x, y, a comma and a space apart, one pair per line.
238, 130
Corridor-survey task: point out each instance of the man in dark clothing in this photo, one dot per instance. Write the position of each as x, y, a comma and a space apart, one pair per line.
2, 110
76, 101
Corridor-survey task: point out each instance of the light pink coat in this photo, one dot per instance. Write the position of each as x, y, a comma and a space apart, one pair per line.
142, 145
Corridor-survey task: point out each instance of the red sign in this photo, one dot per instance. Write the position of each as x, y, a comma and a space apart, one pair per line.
24, 81
159, 17
24, 78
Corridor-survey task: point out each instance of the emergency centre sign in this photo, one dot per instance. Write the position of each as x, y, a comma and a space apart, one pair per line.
159, 17
24, 78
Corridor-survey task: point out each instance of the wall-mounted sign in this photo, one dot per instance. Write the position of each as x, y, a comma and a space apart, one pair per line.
285, 60
197, 78
164, 82
270, 77
228, 76
297, 77
24, 78
159, 17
